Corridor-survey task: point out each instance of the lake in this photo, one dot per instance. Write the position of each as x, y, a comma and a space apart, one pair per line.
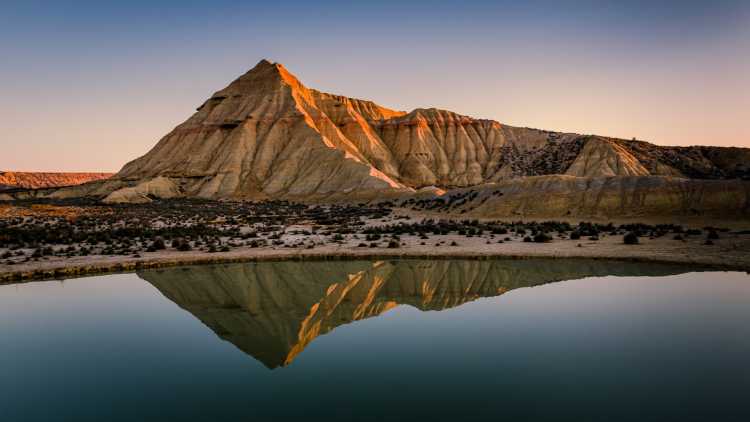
380, 340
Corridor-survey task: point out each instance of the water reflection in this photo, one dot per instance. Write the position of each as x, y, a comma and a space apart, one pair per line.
273, 310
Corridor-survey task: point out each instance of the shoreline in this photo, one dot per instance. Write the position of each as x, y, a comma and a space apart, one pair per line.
729, 254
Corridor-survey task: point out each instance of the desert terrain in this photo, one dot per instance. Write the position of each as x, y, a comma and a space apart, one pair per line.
62, 240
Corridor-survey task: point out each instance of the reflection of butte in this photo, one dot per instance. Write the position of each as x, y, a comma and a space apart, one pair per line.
273, 310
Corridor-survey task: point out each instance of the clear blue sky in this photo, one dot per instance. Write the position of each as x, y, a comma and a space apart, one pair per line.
90, 86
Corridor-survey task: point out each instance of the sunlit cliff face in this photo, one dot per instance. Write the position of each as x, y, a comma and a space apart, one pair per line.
274, 310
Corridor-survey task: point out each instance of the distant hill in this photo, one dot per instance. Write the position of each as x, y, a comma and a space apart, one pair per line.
36, 180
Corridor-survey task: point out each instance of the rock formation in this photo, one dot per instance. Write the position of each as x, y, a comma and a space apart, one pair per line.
36, 180
601, 158
273, 310
266, 135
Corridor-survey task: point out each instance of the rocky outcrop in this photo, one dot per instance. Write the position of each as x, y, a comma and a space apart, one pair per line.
273, 310
159, 187
601, 158
37, 180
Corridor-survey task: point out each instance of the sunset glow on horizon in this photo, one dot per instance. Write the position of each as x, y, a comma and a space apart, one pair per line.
89, 87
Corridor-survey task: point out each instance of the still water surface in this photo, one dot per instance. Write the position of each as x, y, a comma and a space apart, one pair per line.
387, 340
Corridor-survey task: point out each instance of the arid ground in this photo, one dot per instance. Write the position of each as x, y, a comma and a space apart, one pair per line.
61, 239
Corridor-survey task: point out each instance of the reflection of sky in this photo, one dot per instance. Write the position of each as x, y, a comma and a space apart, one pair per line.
90, 85
113, 347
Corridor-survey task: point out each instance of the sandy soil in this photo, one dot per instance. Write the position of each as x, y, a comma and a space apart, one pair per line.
732, 251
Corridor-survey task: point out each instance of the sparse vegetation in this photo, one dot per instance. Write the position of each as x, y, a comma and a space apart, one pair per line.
192, 226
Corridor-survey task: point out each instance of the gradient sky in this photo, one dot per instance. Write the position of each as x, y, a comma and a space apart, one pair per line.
89, 86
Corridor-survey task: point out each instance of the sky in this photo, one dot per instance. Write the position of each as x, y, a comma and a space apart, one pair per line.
90, 85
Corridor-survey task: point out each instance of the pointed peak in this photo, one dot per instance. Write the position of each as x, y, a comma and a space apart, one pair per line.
264, 74
269, 67
266, 64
